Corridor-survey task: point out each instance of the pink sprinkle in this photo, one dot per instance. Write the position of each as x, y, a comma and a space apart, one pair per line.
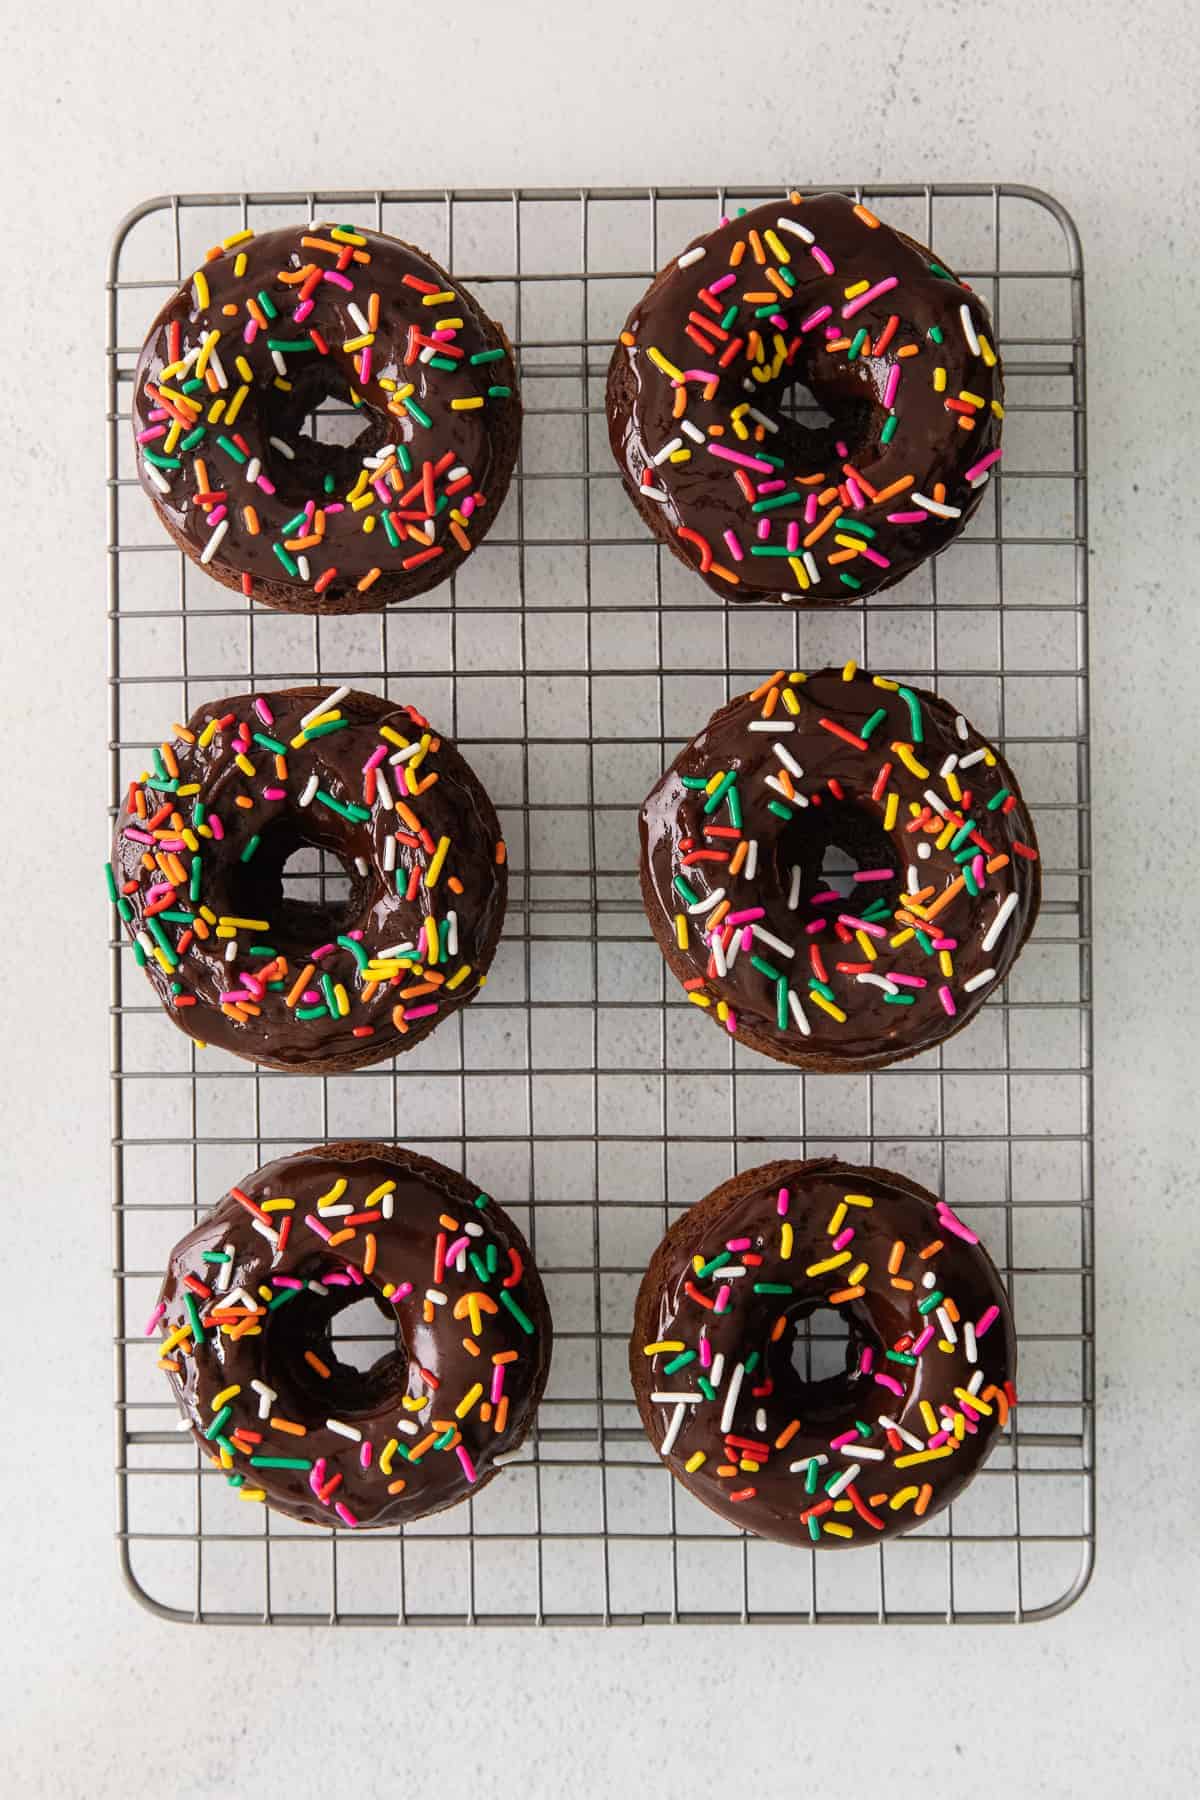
873, 874
157, 891
909, 980
316, 1475
952, 1222
402, 1293
705, 1353
873, 293
764, 529
381, 490
467, 508
944, 943
867, 1360
337, 1281
947, 1000
319, 952
274, 793
263, 710
215, 516
843, 1238
987, 1320
742, 1243
343, 1512
355, 1274
356, 933
921, 1342
445, 335
718, 287
705, 375
148, 437
889, 1382
893, 382
333, 506
793, 534
338, 280
731, 1023
937, 1440
824, 897
847, 1437
302, 311
257, 988
778, 320
467, 1465
770, 487
816, 318
856, 494
456, 1249
873, 556
376, 757
497, 1383
907, 518
268, 487
810, 510
746, 917
420, 1012
985, 462
747, 939
287, 1281
746, 462
723, 1298
155, 1316
231, 996
735, 549
825, 262
215, 826
310, 996
781, 1205
316, 1225
876, 931
815, 925
250, 332
139, 837
978, 870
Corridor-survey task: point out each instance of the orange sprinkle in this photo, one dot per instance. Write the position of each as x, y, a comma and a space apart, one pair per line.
314, 1362
369, 1257
290, 1426
501, 1419
896, 1257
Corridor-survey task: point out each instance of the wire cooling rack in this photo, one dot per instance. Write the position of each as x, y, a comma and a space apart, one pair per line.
570, 657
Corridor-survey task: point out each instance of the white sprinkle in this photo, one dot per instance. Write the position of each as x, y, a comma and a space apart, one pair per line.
253, 469
774, 782
1007, 909
948, 767
800, 231
810, 564
969, 1340
387, 1205
458, 471
692, 431
409, 1427
976, 1381
842, 1481
452, 943
799, 1468
436, 1295
937, 803
157, 477
403, 756
308, 791
978, 981
703, 906
427, 354
272, 1237
928, 1279
317, 1287
343, 1430
361, 866
751, 865
280, 365
768, 937
266, 1398
794, 889
359, 317
772, 725
717, 1373
732, 1392
936, 506
673, 1430
653, 493
914, 1443
947, 1325
924, 852
225, 1276
302, 568
396, 950
389, 854
472, 1229
788, 760
762, 419
218, 369
718, 956
674, 1397
214, 542
960, 725
760, 1419
798, 1014
969, 332
667, 451
691, 256
879, 981
863, 1451
976, 756
733, 1271
231, 950
331, 700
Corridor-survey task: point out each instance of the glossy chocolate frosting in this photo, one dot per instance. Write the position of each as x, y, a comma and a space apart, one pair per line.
252, 344
902, 784
452, 1278
930, 1357
198, 858
891, 345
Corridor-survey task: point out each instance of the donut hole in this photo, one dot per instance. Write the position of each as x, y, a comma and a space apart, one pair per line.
350, 1332
816, 417
817, 1360
308, 891
327, 434
840, 850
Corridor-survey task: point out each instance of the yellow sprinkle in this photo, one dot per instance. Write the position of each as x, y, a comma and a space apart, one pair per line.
970, 1399
885, 682
858, 1200
333, 1195
897, 1500
971, 399
857, 1274
218, 1400
791, 704
176, 1337
695, 1462
393, 1444
437, 299
946, 963
238, 924
849, 670
832, 1262
997, 409
681, 930
664, 1344
210, 344
239, 264
939, 380
835, 1012
435, 866
235, 405
660, 362
989, 355
160, 957
952, 786
342, 998
960, 1424
904, 752
858, 287
393, 737
468, 1400
369, 522
902, 937
359, 343
698, 999
250, 1493
800, 572
215, 411
716, 781
201, 281
459, 976
466, 405
244, 764
722, 1011
891, 809
785, 1241
943, 837
923, 1456
930, 1418
237, 237
431, 940
280, 1205
834, 1530
867, 947
836, 1217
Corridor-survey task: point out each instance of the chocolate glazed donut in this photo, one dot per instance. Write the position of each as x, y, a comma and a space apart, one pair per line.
889, 342
197, 875
266, 330
897, 958
863, 1454
245, 1318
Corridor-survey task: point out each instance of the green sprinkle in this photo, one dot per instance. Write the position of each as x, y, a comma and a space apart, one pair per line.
267, 304
447, 1438
863, 1429
762, 506
280, 1462
822, 988
499, 393
997, 800
901, 1356
443, 362
914, 713
718, 1262
231, 449
765, 968
946, 276
764, 312
860, 338
482, 1272
787, 274
773, 1287
328, 485
139, 955
282, 1298
270, 743
781, 1003
309, 1012
850, 581
192, 439
403, 458
161, 462
392, 537
493, 1259
347, 810
969, 881
962, 834
694, 781
931, 1302
685, 889
814, 1527
735, 809
679, 1362
486, 356
356, 950
285, 559
194, 877
482, 1200
706, 1388
320, 731
218, 1423
730, 316
190, 385
215, 1256
936, 333
719, 792
330, 996
300, 518
523, 1320
290, 346
199, 1334
810, 1481
899, 1000
421, 417
124, 909
889, 429
176, 918
162, 940
779, 809
752, 1362
770, 550
251, 847
925, 941
110, 882
855, 525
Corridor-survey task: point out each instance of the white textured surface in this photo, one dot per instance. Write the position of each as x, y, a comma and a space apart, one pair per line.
112, 103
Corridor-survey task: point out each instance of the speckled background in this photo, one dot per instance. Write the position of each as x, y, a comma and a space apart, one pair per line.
111, 103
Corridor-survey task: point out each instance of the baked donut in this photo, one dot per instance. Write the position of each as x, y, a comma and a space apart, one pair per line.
945, 892
893, 346
251, 345
245, 1317
199, 851
868, 1452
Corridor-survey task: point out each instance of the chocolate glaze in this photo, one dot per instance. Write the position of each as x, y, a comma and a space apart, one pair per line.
702, 495
429, 1337
874, 1031
881, 1314
455, 807
482, 440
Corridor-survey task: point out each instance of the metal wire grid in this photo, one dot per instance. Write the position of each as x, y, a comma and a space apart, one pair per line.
570, 657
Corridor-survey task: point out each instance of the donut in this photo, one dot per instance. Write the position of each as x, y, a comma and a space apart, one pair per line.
245, 352
245, 1319
197, 874
865, 1453
892, 961
894, 348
